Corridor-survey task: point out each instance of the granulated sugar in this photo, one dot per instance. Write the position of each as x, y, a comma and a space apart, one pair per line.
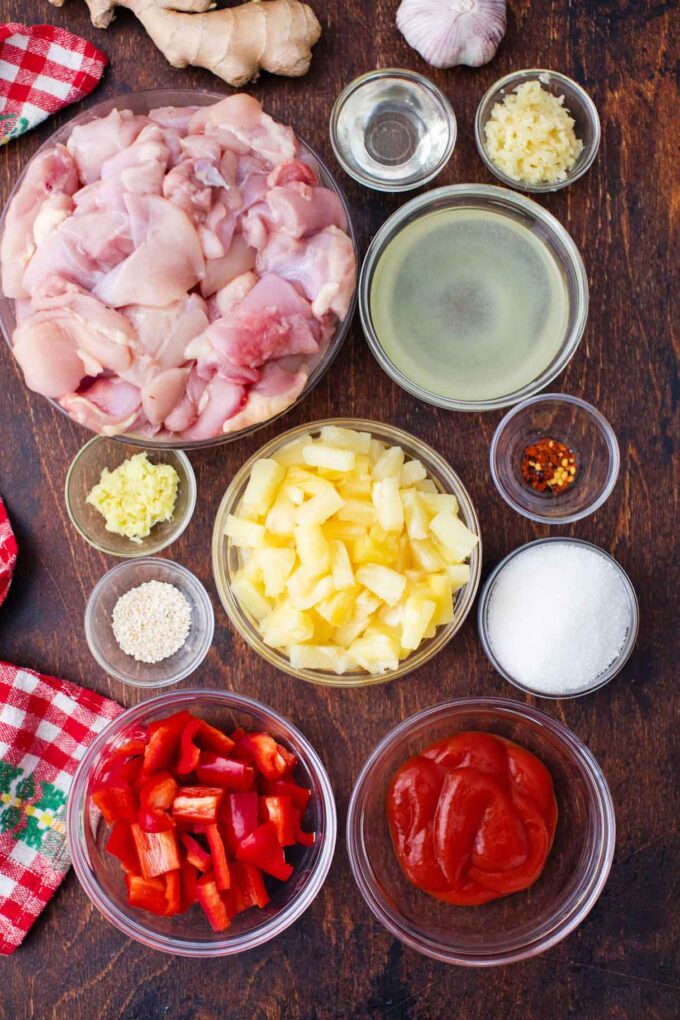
151, 622
558, 616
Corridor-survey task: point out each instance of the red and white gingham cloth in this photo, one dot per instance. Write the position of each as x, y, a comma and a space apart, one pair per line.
8, 552
46, 725
42, 69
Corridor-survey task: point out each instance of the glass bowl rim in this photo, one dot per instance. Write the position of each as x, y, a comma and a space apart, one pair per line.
529, 73
201, 595
610, 439
414, 661
485, 192
142, 550
512, 952
376, 183
230, 945
612, 670
172, 97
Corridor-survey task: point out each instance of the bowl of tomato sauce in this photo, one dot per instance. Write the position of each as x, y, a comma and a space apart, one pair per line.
201, 823
481, 832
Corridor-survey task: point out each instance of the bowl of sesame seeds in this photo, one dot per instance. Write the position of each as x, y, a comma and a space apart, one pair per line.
149, 622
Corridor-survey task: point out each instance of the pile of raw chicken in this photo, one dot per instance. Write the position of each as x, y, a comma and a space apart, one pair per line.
176, 275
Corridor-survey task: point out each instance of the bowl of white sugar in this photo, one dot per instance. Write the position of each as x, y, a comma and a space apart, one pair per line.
149, 622
558, 618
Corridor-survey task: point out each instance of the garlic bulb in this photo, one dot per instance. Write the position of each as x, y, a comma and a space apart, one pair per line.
450, 32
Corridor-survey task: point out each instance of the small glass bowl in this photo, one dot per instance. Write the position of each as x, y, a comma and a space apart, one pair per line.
608, 674
514, 207
576, 101
190, 934
99, 630
516, 927
392, 130
579, 426
225, 558
85, 472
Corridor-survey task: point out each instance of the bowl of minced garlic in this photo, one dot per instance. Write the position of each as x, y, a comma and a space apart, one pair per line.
129, 502
537, 130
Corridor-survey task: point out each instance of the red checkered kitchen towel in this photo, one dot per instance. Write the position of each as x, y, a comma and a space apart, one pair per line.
46, 725
42, 69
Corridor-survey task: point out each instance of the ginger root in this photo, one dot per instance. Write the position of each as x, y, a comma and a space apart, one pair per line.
235, 44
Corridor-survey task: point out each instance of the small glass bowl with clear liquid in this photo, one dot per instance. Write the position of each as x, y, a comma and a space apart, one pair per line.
392, 130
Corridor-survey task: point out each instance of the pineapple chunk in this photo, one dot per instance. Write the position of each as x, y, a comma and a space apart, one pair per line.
425, 556
265, 478
453, 534
346, 439
320, 507
346, 531
358, 511
286, 625
276, 566
306, 588
442, 591
458, 574
427, 485
326, 657
312, 547
337, 609
416, 618
387, 584
281, 517
356, 486
376, 450
249, 597
389, 464
387, 503
244, 533
413, 471
417, 521
329, 457
291, 454
375, 653
435, 502
341, 565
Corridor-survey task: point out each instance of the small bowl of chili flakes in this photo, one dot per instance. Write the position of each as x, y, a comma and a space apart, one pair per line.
554, 458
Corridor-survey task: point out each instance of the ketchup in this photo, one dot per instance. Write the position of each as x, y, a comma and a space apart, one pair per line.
472, 818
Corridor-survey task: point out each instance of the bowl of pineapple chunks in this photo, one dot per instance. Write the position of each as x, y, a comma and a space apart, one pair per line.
346, 552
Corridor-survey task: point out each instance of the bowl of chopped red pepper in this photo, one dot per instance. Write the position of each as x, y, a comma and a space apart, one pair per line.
554, 458
201, 823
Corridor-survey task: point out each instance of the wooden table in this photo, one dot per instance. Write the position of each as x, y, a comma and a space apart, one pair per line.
337, 960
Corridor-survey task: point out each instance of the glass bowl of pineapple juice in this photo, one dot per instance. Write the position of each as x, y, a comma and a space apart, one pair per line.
227, 558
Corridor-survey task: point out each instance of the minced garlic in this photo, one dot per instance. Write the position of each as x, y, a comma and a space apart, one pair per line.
135, 496
530, 136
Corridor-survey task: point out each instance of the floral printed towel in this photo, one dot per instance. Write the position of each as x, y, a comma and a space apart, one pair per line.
46, 725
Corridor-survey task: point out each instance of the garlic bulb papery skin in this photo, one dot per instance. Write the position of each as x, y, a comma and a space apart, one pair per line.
451, 32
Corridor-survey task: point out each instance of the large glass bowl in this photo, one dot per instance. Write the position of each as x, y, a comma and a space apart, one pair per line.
518, 209
515, 927
141, 103
226, 561
190, 934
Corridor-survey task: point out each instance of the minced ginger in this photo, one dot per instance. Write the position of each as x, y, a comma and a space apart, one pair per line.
135, 496
530, 136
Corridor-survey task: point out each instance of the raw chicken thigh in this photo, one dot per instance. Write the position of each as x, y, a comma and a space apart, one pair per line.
176, 275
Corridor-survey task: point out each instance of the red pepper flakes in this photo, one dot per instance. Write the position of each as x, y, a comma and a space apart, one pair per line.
548, 464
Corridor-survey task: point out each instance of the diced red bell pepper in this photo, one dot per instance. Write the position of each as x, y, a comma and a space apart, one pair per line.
262, 751
287, 788
197, 804
189, 751
189, 885
155, 797
116, 801
121, 844
262, 849
147, 893
196, 854
302, 837
173, 892
158, 851
225, 772
212, 905
247, 887
280, 811
219, 857
237, 734
239, 817
211, 739
131, 748
127, 770
163, 739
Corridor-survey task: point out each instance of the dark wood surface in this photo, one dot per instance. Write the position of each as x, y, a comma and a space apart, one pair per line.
337, 960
